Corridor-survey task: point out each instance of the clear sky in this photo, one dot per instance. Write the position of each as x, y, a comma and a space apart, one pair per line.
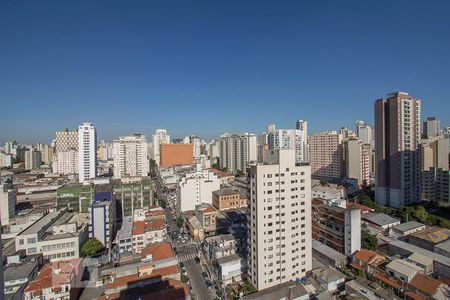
208, 67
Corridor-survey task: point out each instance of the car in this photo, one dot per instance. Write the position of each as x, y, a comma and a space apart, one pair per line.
205, 275
197, 259
181, 264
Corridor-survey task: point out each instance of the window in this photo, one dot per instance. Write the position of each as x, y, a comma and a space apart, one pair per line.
32, 250
31, 240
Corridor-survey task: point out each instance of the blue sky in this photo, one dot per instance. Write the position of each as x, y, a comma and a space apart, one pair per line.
208, 67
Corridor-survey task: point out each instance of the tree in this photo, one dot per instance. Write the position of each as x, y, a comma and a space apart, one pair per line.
368, 241
420, 214
180, 221
184, 278
239, 173
247, 288
323, 182
92, 247
406, 213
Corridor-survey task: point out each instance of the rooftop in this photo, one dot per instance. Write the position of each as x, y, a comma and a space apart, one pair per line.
130, 279
433, 235
288, 290
407, 226
415, 249
445, 246
227, 191
158, 251
19, 272
228, 259
327, 251
420, 259
43, 222
403, 267
379, 219
425, 284
328, 274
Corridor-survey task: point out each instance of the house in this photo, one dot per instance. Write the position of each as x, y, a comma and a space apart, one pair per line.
327, 255
403, 270
422, 261
231, 268
56, 280
367, 261
329, 278
16, 278
147, 232
423, 287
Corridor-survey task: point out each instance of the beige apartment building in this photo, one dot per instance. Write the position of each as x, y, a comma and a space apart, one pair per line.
130, 156
279, 217
228, 198
434, 153
326, 155
66, 140
397, 159
357, 160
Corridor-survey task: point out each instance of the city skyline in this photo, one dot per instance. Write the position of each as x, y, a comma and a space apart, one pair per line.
237, 66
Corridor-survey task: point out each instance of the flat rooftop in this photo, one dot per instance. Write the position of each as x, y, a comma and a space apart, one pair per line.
327, 251
433, 235
42, 222
411, 225
414, 249
19, 272
287, 290
379, 219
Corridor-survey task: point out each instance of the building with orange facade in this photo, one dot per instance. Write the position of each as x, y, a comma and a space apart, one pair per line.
176, 154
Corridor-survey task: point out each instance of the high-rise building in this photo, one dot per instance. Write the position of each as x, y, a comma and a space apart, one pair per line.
46, 153
357, 160
397, 159
434, 153
33, 159
236, 150
87, 152
176, 155
160, 137
196, 188
279, 217
196, 143
436, 186
65, 162
290, 139
66, 140
326, 155
130, 156
431, 127
364, 132
7, 202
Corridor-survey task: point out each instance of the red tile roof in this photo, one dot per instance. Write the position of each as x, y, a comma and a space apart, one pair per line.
154, 224
414, 296
365, 255
208, 209
130, 279
138, 227
158, 251
48, 277
385, 278
425, 284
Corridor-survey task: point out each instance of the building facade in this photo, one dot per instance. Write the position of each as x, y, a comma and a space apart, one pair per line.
326, 155
196, 188
130, 156
290, 139
87, 152
176, 155
65, 162
357, 161
279, 217
397, 158
236, 150
431, 127
160, 137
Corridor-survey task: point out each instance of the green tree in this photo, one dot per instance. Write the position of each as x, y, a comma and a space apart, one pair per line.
406, 213
239, 173
180, 221
420, 214
247, 288
368, 241
323, 182
92, 247
184, 278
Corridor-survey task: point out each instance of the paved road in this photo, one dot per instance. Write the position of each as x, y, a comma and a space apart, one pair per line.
194, 273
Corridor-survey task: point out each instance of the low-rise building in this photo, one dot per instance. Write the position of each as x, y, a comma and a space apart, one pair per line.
336, 227
125, 237
422, 261
327, 255
328, 192
368, 261
16, 278
288, 290
429, 238
329, 278
405, 229
57, 235
57, 280
443, 248
423, 287
207, 216
148, 232
403, 270
380, 220
228, 198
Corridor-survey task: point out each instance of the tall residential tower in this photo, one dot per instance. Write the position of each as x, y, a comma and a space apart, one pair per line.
87, 152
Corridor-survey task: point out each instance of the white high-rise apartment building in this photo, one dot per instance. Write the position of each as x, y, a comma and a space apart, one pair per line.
195, 141
364, 132
279, 219
130, 156
237, 150
160, 137
87, 152
33, 159
7, 202
290, 139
